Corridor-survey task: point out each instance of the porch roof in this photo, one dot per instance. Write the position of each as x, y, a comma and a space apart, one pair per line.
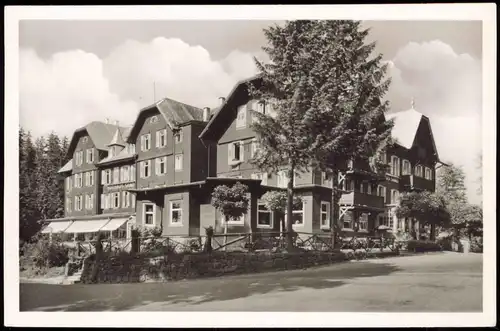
87, 217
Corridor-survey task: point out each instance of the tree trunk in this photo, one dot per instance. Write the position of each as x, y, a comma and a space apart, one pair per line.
289, 208
433, 232
225, 231
336, 195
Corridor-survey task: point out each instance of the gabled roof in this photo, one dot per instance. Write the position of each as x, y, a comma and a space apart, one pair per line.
223, 109
174, 112
100, 133
405, 127
119, 138
67, 167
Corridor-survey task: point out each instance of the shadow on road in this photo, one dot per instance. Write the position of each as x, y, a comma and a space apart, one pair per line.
116, 297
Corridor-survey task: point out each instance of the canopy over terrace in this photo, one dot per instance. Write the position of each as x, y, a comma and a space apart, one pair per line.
87, 224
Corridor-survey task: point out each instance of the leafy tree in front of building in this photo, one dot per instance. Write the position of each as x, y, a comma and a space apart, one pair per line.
325, 86
275, 201
231, 201
427, 207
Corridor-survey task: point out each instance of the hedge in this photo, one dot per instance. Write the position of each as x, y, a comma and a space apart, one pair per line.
420, 246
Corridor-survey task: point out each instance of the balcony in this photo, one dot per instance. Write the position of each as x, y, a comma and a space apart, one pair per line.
412, 182
362, 199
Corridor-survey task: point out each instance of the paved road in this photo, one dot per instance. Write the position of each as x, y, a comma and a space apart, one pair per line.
442, 282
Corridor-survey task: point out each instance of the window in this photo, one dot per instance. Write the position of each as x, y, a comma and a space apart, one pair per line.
260, 175
161, 166
382, 157
386, 219
406, 167
91, 178
235, 152
89, 201
363, 222
79, 158
146, 142
381, 192
161, 138
264, 216
350, 164
239, 221
282, 177
154, 119
116, 175
325, 179
394, 196
178, 137
419, 170
103, 201
362, 187
132, 200
178, 162
257, 106
68, 183
125, 199
347, 220
85, 139
149, 214
395, 165
349, 184
79, 180
125, 173
175, 213
132, 173
78, 202
369, 188
106, 177
325, 214
297, 214
254, 147
241, 118
90, 155
68, 205
428, 173
145, 168
115, 200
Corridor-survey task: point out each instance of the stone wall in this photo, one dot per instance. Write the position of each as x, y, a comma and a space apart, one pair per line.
130, 269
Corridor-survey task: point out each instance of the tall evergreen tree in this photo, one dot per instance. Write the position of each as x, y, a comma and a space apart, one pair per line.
325, 87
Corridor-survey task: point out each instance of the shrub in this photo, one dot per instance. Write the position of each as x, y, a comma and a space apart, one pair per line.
43, 254
446, 243
419, 246
476, 245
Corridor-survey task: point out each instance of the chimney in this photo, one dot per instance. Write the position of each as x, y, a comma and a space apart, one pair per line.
222, 100
206, 114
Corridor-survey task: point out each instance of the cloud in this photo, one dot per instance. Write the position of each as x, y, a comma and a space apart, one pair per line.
446, 87
72, 88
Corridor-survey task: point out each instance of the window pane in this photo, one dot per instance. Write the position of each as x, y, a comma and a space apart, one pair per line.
149, 208
176, 216
176, 205
264, 218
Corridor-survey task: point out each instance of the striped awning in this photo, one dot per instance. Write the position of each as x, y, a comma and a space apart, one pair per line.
86, 226
114, 224
57, 227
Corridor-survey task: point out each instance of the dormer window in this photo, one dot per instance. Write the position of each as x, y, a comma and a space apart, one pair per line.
241, 117
154, 119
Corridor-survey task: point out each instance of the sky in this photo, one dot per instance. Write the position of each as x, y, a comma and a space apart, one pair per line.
74, 72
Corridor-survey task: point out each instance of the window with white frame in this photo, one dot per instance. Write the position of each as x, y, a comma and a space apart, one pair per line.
419, 171
125, 199
176, 212
161, 166
241, 117
325, 214
146, 142
394, 197
257, 106
132, 200
406, 167
161, 138
264, 216
362, 187
149, 216
386, 219
115, 200
125, 173
382, 158
239, 221
347, 220
282, 178
79, 158
395, 169
132, 173
178, 162
91, 201
85, 139
178, 136
68, 183
381, 192
106, 177
363, 222
90, 155
153, 119
116, 175
145, 168
260, 175
91, 178
79, 178
298, 214
78, 202
369, 188
428, 173
235, 152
